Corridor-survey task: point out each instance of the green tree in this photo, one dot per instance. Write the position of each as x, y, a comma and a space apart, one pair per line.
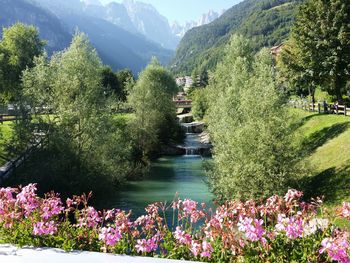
200, 103
19, 46
321, 36
126, 80
151, 99
85, 149
110, 82
291, 72
253, 151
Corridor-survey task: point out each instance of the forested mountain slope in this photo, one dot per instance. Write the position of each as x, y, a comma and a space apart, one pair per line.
268, 21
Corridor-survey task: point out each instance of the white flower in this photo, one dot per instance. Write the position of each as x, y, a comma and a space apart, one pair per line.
314, 225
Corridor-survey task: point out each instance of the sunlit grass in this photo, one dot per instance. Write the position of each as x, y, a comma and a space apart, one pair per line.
5, 135
327, 142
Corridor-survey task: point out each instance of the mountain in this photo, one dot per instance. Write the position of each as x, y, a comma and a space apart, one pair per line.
150, 23
267, 21
207, 18
50, 27
180, 30
118, 15
116, 45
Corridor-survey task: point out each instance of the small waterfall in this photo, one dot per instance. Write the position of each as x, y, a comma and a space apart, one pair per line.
192, 151
192, 145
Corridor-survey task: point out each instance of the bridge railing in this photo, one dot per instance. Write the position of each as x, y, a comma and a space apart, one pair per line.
323, 107
180, 103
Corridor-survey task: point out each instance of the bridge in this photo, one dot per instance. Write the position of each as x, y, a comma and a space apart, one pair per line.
5, 117
183, 104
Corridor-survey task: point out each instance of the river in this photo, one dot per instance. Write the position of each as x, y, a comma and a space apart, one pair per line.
169, 175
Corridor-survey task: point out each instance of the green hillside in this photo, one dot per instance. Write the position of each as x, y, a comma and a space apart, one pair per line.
327, 141
268, 21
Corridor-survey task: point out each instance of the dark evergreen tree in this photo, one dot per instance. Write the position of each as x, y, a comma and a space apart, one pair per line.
321, 39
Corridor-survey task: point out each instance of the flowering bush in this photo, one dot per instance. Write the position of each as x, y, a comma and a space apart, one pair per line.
279, 229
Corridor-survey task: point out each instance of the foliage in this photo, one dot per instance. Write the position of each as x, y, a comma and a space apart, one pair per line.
151, 99
250, 127
126, 80
200, 79
278, 229
318, 53
84, 148
200, 103
19, 46
116, 84
267, 21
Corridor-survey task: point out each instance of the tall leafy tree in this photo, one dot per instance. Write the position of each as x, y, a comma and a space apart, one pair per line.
293, 74
250, 127
110, 83
126, 80
151, 98
321, 38
86, 150
19, 46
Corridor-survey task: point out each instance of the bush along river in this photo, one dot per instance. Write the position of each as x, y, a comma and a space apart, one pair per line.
181, 176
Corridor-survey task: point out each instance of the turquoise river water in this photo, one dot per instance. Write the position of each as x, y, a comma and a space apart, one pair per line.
169, 175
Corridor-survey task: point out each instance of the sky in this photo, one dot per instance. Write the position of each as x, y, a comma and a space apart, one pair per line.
185, 10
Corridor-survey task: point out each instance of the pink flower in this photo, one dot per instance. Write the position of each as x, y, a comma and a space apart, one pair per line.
109, 214
182, 237
293, 226
7, 201
207, 249
281, 223
44, 228
195, 248
51, 207
152, 209
336, 249
344, 211
69, 202
90, 217
110, 236
28, 199
146, 245
189, 205
252, 228
7, 193
292, 195
189, 209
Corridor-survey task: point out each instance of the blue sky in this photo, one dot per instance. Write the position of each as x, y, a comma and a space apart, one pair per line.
185, 10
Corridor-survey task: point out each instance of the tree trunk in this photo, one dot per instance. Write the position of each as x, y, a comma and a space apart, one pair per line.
312, 95
338, 85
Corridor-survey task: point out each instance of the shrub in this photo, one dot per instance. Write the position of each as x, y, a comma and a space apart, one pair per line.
278, 229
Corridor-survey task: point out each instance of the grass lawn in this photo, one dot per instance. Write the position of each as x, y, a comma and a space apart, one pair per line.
5, 134
327, 143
